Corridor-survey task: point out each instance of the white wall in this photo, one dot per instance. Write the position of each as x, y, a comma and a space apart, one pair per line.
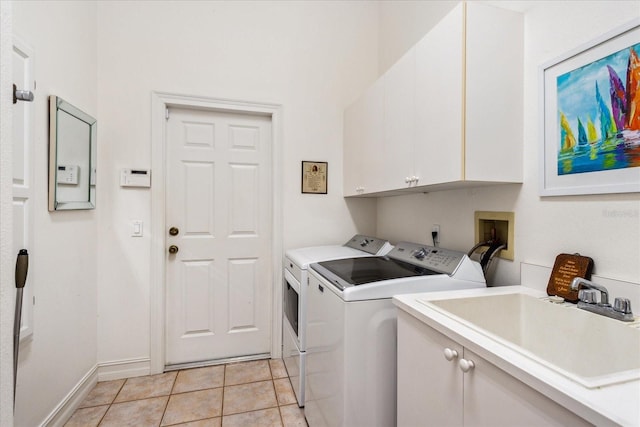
605, 227
403, 23
313, 58
62, 264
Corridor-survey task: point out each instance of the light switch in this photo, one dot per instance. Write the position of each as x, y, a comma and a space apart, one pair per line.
137, 229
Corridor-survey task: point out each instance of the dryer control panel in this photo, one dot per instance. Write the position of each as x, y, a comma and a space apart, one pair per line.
429, 257
372, 245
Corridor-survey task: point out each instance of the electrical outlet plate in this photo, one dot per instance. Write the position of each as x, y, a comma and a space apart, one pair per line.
503, 222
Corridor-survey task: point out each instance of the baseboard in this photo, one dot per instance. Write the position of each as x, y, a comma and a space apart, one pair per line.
127, 368
105, 371
61, 413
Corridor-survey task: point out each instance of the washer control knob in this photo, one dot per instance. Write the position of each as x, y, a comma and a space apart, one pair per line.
420, 254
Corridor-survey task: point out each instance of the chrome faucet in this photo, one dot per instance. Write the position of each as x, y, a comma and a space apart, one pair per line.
621, 309
604, 298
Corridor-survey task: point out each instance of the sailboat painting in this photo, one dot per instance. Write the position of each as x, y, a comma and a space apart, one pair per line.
598, 114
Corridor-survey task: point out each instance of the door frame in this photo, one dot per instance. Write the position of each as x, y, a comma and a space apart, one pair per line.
160, 101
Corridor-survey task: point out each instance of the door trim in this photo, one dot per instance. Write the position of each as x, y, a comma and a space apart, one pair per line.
160, 101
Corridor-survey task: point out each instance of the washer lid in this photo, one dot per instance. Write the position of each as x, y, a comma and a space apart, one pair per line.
360, 271
358, 246
302, 257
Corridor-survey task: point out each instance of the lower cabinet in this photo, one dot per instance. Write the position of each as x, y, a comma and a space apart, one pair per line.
442, 383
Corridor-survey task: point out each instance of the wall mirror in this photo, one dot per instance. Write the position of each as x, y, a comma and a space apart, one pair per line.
72, 157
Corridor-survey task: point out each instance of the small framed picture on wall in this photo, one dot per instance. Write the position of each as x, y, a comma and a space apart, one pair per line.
314, 177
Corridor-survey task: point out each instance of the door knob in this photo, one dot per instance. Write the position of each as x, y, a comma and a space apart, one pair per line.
22, 95
173, 249
174, 231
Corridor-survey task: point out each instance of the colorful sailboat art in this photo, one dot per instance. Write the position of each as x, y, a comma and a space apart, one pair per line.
612, 139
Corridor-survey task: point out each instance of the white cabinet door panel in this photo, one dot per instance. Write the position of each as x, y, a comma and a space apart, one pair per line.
399, 122
440, 102
429, 386
494, 398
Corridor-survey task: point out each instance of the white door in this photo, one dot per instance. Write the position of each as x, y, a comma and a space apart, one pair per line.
23, 151
218, 197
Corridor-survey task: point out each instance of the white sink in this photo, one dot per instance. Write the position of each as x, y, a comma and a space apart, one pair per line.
591, 349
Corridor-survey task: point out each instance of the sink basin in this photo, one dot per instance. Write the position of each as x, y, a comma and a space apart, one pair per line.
590, 349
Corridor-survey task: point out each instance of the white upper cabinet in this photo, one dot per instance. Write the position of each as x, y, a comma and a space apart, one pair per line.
453, 107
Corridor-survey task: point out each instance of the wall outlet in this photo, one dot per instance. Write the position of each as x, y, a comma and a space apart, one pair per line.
500, 223
435, 229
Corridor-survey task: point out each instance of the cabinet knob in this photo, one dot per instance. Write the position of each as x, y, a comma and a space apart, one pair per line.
416, 179
450, 354
173, 249
466, 365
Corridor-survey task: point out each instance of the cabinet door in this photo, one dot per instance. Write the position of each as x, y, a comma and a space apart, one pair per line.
429, 386
363, 140
492, 398
371, 150
494, 93
439, 102
399, 122
352, 147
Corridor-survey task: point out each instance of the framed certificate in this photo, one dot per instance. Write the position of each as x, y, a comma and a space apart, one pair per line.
314, 177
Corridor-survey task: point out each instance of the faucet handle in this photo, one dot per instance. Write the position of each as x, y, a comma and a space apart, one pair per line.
622, 305
588, 295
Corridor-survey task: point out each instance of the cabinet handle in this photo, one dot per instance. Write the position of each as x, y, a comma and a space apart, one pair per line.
466, 365
450, 354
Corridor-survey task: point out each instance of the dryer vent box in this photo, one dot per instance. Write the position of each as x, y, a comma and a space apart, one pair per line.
135, 178
502, 224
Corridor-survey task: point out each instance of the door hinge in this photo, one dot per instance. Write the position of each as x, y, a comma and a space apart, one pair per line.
166, 113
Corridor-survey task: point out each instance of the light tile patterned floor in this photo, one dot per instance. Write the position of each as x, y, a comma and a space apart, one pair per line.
256, 393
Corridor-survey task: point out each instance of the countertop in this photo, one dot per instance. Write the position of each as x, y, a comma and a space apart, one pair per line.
616, 404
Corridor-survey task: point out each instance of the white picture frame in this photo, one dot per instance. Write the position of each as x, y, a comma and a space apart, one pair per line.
557, 177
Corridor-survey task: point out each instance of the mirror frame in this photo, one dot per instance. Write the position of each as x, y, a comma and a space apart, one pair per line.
57, 104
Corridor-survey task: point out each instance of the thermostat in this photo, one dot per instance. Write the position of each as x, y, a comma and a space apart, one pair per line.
67, 174
135, 178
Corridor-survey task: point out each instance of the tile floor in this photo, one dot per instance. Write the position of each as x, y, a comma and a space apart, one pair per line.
256, 393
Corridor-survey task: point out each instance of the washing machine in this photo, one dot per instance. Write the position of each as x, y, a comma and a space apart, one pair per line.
351, 328
296, 263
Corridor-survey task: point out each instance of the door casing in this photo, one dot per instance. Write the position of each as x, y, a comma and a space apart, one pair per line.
160, 101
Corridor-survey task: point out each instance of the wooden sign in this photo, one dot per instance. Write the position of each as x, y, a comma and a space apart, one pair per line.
566, 268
